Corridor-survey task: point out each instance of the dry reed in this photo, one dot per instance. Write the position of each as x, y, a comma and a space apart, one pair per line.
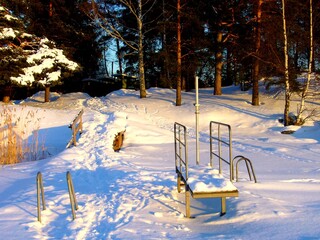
19, 135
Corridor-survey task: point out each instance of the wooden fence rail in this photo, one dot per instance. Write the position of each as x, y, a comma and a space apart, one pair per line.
76, 126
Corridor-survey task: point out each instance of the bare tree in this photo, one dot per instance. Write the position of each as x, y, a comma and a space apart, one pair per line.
112, 25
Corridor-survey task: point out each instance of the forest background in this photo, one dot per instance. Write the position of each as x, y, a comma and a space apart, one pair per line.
166, 43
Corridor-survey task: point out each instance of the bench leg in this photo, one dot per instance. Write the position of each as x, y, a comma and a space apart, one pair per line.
187, 203
179, 183
223, 206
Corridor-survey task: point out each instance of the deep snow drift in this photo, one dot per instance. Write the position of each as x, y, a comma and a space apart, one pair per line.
131, 194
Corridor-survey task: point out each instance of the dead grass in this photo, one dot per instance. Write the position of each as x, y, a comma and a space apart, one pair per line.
19, 135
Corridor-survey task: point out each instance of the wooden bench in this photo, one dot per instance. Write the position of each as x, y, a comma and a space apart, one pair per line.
200, 181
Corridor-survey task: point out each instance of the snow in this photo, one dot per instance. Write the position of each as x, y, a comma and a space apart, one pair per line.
207, 179
7, 33
10, 17
132, 194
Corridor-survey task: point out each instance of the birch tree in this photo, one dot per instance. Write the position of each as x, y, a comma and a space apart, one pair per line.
139, 18
286, 67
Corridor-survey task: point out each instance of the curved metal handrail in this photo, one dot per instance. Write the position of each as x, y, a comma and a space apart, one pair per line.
237, 159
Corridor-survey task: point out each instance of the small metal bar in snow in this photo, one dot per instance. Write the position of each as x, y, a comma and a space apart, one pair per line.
40, 191
73, 201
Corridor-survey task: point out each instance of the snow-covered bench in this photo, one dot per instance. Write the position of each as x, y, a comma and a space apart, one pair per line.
200, 181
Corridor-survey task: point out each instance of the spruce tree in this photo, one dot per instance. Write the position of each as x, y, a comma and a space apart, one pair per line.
27, 59
12, 58
64, 23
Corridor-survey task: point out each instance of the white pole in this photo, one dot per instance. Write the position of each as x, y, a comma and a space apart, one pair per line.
197, 120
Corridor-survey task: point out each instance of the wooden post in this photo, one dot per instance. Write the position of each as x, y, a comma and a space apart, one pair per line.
223, 206
76, 126
187, 202
179, 183
47, 93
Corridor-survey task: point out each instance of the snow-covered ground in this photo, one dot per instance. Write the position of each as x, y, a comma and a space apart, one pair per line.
131, 194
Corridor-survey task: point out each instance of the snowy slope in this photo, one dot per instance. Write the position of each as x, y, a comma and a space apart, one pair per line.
131, 194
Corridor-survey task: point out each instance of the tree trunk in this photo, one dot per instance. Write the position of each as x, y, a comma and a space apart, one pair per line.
230, 78
256, 64
47, 93
306, 87
6, 94
123, 81
143, 92
6, 99
218, 67
165, 70
286, 70
178, 90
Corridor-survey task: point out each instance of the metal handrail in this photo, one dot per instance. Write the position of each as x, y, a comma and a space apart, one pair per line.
181, 148
227, 143
249, 166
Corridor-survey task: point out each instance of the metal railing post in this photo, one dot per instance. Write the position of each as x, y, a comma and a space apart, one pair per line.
40, 191
230, 154
73, 201
219, 149
211, 148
